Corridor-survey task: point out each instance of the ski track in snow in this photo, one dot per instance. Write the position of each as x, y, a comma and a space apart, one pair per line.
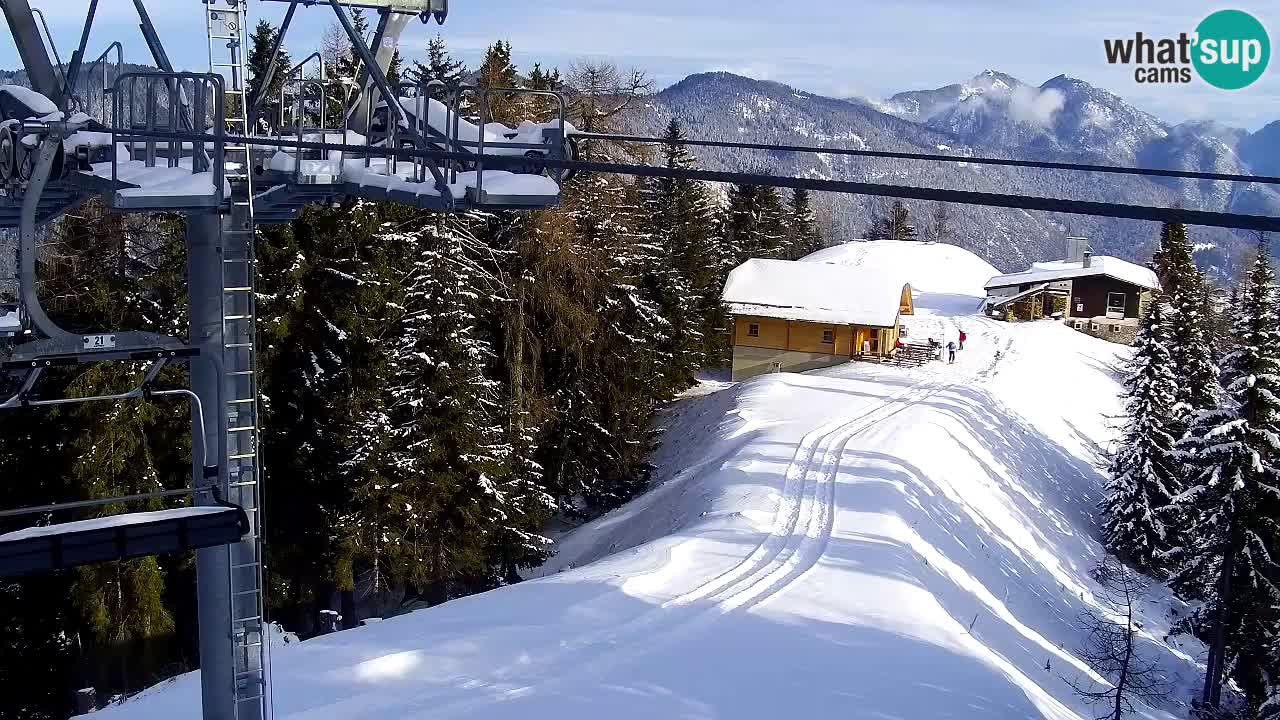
781, 559
796, 541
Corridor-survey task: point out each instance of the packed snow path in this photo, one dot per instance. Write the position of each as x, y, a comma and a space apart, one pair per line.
861, 542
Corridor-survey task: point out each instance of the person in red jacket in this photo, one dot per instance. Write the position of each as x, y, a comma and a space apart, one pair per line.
963, 337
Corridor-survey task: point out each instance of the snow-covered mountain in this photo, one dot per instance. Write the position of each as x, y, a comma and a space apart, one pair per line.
1262, 149
921, 105
863, 541
991, 114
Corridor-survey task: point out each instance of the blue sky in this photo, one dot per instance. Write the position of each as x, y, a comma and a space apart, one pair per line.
837, 47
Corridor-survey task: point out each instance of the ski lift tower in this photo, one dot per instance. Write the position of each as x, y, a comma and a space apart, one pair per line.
194, 143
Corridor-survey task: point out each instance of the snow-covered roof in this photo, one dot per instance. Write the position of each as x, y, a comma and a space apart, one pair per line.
32, 99
1002, 301
814, 292
1065, 269
929, 267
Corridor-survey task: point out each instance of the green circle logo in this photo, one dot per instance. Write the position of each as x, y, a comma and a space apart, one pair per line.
1231, 50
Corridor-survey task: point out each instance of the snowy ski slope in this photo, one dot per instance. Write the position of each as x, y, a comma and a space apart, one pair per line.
858, 542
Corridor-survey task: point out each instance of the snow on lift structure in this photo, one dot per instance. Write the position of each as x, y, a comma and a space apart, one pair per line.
40, 151
384, 122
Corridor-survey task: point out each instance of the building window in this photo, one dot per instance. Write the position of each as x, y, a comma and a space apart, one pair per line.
1079, 324
829, 336
1115, 303
1115, 328
1094, 327
753, 330
1079, 305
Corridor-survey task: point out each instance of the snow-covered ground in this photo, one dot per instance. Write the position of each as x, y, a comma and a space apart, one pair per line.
858, 542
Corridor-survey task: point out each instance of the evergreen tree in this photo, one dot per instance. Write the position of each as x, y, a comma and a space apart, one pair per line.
395, 70
497, 71
447, 502
683, 279
1144, 474
440, 65
323, 361
1191, 344
754, 224
263, 39
537, 107
805, 238
1233, 502
894, 226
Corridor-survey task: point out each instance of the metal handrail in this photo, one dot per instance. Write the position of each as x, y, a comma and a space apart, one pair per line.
80, 504
288, 78
415, 131
300, 116
203, 85
557, 146
302, 82
105, 89
54, 47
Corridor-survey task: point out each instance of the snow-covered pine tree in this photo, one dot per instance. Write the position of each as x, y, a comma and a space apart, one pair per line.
754, 224
440, 65
803, 226
606, 386
1144, 475
323, 377
682, 275
1233, 502
1191, 340
448, 502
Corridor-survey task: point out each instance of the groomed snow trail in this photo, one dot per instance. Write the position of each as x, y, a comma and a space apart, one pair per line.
796, 542
859, 542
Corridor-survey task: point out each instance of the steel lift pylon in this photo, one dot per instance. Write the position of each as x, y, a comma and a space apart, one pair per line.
191, 143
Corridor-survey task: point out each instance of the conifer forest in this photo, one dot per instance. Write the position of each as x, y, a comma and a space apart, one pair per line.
438, 390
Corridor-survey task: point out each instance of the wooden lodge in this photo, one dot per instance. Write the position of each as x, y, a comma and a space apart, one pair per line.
791, 316
1102, 296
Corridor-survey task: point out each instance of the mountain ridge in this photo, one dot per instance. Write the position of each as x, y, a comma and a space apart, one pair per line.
991, 114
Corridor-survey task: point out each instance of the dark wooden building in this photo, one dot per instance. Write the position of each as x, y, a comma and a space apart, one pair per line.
1103, 295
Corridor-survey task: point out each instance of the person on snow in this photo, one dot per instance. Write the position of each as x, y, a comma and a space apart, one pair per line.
963, 337
951, 352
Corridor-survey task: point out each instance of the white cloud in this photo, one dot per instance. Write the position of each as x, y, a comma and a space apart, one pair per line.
1031, 106
1098, 116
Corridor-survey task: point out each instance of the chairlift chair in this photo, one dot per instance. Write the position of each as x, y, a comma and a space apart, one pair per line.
58, 546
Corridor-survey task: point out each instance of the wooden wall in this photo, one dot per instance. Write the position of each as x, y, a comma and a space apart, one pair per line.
793, 335
1092, 293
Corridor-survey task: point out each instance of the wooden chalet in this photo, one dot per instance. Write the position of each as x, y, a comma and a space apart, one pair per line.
1102, 295
791, 316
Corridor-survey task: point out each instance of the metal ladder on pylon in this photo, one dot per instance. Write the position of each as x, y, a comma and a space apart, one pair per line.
226, 21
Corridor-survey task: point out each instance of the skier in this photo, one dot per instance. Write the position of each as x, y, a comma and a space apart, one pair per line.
963, 337
951, 352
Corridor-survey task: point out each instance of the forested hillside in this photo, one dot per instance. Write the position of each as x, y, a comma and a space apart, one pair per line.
436, 390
